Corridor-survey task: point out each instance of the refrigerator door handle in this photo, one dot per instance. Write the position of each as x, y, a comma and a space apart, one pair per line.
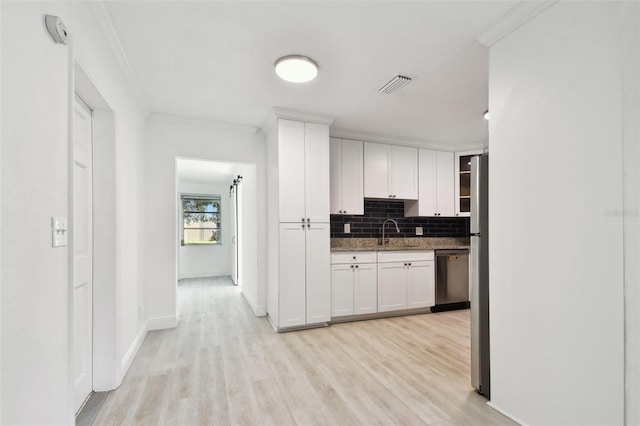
475, 311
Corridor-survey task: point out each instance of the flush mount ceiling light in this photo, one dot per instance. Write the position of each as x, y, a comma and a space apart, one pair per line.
486, 115
296, 68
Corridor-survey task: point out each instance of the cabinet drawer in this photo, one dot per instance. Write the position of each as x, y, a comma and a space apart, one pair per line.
353, 257
405, 256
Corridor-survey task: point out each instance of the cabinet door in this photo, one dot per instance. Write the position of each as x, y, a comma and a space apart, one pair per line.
462, 183
427, 188
318, 274
292, 293
392, 286
342, 277
316, 175
420, 284
335, 176
291, 169
376, 170
365, 289
352, 190
404, 172
446, 183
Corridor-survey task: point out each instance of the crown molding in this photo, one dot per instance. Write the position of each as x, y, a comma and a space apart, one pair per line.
100, 12
416, 143
512, 20
289, 114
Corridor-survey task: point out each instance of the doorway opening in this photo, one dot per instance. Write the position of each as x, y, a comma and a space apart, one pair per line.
217, 222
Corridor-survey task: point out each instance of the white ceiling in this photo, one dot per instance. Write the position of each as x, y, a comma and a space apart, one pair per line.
200, 171
214, 60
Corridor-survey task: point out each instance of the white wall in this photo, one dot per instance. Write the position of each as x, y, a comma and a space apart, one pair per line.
35, 99
169, 138
556, 231
252, 261
207, 260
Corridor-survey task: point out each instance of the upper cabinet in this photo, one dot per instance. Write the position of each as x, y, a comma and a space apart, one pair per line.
303, 180
436, 185
463, 182
347, 182
390, 171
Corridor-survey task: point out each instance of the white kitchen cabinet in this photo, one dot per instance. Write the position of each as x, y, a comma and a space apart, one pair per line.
421, 284
292, 286
303, 171
392, 286
406, 280
298, 239
346, 176
342, 277
354, 288
404, 172
462, 184
365, 289
390, 171
377, 161
436, 192
304, 274
318, 273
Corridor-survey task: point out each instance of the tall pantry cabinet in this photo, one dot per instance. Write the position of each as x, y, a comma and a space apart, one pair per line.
298, 256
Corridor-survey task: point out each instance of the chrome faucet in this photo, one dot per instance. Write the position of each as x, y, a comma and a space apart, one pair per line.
384, 223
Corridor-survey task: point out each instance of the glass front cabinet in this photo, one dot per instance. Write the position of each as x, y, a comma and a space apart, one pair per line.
463, 181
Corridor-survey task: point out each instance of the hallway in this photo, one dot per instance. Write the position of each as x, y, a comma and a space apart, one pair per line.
222, 365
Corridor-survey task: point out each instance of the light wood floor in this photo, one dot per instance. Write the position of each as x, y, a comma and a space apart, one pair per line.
222, 365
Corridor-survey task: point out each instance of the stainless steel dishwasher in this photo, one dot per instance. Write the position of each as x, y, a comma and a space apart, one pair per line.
452, 280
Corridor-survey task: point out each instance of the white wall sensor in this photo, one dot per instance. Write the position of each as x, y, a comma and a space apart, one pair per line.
56, 29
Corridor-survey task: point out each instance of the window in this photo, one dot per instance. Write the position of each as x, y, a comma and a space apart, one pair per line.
201, 219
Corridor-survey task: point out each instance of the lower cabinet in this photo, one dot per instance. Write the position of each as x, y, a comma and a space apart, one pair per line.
304, 274
354, 288
369, 282
405, 283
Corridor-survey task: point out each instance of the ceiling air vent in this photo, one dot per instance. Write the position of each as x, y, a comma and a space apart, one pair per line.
396, 83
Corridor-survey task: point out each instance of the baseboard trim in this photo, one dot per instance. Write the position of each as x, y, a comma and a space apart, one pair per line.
504, 413
133, 350
261, 311
205, 274
162, 323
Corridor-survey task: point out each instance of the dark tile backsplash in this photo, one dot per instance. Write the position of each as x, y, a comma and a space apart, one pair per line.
377, 211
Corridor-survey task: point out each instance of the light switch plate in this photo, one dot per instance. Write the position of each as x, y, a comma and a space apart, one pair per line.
59, 231
347, 228
419, 230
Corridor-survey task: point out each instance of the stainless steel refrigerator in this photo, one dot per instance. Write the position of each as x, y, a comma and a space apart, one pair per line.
479, 275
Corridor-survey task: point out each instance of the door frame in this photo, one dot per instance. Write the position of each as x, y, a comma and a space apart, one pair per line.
106, 373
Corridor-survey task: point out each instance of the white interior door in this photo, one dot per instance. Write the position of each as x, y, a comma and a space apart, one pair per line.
82, 255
